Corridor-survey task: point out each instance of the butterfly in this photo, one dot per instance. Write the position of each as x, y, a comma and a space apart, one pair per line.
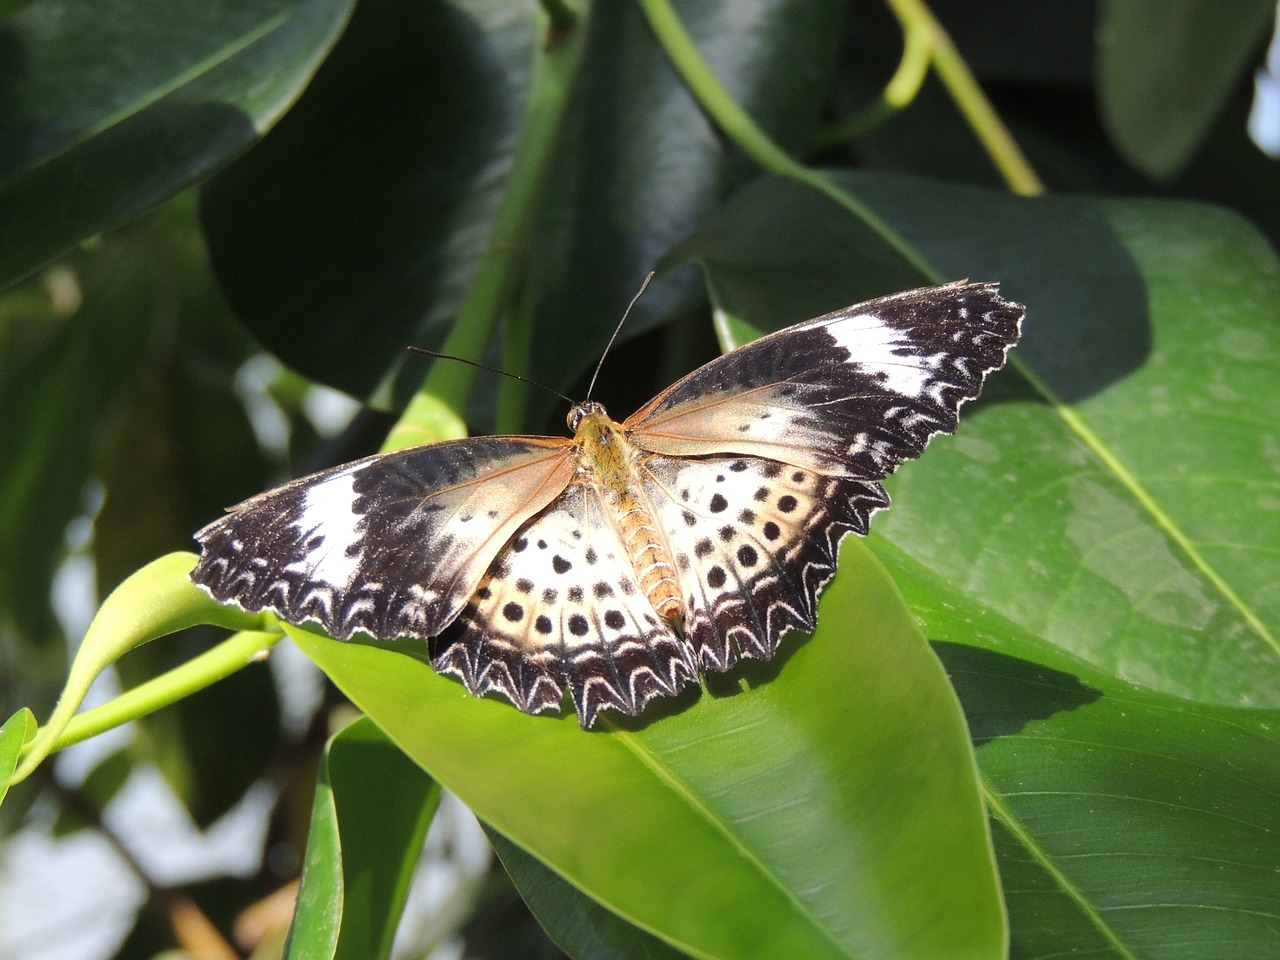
620, 564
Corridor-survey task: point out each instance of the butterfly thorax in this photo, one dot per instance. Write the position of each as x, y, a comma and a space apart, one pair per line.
609, 462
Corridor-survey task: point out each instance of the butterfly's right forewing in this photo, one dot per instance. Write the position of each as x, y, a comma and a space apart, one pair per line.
760, 462
392, 545
852, 393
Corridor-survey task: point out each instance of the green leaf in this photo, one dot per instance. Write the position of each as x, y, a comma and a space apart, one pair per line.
640, 165
831, 790
283, 221
1128, 823
1119, 814
362, 215
370, 817
1165, 70
1118, 511
578, 925
119, 106
1112, 516
157, 600
780, 252
15, 733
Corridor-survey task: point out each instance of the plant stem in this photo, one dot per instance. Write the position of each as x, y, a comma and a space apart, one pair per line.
557, 52
237, 651
917, 54
734, 121
918, 21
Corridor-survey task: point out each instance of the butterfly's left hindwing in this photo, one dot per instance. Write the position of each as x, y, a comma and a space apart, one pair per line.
562, 608
392, 545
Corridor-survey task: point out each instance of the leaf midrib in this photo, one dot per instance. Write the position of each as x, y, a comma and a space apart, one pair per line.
1077, 425
669, 779
1011, 823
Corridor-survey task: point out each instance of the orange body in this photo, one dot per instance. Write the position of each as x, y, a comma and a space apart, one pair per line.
607, 461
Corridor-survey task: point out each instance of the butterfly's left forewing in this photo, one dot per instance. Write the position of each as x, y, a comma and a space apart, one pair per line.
392, 545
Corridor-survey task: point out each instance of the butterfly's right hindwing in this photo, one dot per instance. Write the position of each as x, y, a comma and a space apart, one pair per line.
392, 545
754, 543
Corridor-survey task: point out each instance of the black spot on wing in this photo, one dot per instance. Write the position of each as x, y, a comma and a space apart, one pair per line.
747, 582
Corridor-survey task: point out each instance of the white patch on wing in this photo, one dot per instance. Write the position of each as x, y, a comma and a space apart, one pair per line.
327, 511
880, 350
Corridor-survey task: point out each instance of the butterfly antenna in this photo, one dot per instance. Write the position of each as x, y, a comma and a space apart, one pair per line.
616, 330
484, 366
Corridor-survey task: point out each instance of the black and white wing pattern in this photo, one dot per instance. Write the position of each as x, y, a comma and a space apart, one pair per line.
392, 545
617, 566
764, 459
562, 609
753, 541
852, 393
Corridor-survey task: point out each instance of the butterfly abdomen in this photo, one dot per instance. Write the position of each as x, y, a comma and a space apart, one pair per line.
606, 458
650, 557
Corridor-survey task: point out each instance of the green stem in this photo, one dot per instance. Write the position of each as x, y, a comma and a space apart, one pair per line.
902, 88
918, 22
237, 651
557, 52
734, 121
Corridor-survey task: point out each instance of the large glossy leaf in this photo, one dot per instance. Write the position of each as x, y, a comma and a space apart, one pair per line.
1128, 823
1120, 512
371, 814
581, 927
1165, 70
819, 806
640, 165
1129, 532
361, 218
111, 108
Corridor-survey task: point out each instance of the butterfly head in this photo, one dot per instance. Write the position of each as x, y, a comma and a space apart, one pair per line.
583, 410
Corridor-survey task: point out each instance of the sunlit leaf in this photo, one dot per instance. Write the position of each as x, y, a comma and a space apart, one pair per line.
371, 814
832, 790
